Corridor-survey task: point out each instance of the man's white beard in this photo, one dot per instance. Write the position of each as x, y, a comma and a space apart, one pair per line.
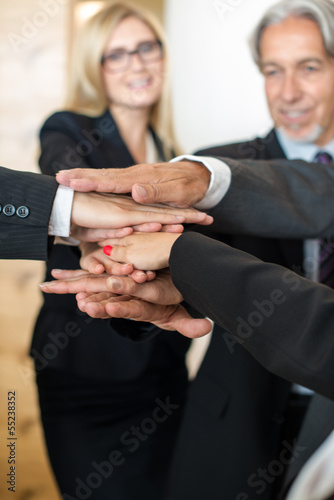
310, 138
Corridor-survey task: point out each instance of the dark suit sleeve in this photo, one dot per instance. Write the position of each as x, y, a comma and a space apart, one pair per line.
25, 237
277, 199
285, 321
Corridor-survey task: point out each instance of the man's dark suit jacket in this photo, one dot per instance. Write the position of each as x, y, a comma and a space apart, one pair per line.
294, 340
234, 415
70, 140
25, 237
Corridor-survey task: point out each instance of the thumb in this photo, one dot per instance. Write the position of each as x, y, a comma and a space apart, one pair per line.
193, 328
152, 193
189, 326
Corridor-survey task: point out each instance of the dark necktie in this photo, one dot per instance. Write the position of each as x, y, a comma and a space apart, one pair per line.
323, 157
326, 245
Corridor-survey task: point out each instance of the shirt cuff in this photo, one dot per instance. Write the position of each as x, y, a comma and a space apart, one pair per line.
219, 183
60, 220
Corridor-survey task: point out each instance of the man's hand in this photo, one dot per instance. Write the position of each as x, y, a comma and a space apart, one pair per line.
160, 290
169, 317
156, 301
180, 184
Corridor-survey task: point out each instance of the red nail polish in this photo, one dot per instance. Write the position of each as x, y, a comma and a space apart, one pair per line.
107, 249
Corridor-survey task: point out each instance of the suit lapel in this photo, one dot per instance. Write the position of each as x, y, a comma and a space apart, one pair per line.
273, 147
112, 149
292, 250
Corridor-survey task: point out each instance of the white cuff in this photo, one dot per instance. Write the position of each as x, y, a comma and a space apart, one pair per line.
63, 240
60, 220
219, 183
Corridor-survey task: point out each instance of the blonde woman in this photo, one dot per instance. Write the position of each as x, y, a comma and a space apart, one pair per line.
110, 407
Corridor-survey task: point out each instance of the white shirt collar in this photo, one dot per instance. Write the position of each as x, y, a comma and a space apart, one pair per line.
300, 150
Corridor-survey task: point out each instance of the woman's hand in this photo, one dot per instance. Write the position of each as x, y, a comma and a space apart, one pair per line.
145, 251
95, 261
99, 210
92, 235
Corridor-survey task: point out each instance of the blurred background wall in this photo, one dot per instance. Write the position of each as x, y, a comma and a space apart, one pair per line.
34, 38
218, 97
218, 91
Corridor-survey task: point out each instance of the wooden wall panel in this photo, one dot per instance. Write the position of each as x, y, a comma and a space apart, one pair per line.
33, 58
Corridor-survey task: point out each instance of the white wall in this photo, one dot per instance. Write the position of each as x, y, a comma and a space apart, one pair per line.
217, 89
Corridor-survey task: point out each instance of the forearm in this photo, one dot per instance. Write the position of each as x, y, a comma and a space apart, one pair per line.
277, 199
26, 237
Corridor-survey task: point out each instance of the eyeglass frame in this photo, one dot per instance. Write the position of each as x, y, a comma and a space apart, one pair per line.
132, 53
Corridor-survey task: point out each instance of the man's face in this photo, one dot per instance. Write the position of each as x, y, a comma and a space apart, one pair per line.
299, 80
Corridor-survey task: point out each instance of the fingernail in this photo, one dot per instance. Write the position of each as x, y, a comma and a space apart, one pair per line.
47, 283
57, 271
107, 249
141, 191
114, 284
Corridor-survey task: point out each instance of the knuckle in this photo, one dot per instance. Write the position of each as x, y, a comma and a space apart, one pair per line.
130, 286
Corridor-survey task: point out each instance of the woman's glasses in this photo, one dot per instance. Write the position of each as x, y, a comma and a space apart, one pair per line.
119, 60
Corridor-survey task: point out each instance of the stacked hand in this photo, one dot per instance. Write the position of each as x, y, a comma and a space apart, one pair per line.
97, 216
125, 285
179, 184
104, 296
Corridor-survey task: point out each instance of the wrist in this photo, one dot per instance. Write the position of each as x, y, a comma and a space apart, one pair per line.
172, 240
197, 176
59, 224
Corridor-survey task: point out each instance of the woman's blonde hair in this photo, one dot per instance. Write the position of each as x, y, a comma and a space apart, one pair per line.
86, 93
